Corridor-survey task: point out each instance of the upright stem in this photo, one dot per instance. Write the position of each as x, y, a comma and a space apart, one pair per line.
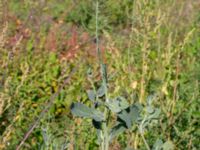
106, 113
105, 140
97, 35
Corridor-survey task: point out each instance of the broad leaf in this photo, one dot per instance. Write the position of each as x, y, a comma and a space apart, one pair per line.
91, 95
125, 117
155, 114
81, 110
150, 117
150, 109
116, 130
130, 115
117, 105
101, 91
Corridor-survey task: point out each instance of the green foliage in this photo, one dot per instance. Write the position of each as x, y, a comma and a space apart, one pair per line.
151, 49
130, 115
81, 110
117, 105
127, 115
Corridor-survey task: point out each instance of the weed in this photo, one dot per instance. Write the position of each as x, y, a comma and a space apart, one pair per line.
147, 64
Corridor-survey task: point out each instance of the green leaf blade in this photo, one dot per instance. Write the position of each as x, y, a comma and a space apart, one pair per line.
81, 110
117, 104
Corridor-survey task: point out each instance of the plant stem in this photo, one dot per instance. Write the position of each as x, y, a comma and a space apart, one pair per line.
142, 135
106, 111
145, 142
97, 36
105, 140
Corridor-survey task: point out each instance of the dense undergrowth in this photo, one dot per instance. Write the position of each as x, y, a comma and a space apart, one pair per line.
151, 47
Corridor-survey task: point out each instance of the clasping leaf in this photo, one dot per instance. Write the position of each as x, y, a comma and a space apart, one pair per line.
81, 110
117, 104
130, 115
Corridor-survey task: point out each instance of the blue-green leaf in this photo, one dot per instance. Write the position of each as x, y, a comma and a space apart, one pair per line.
155, 114
130, 115
116, 130
91, 95
117, 104
101, 91
126, 118
150, 109
81, 110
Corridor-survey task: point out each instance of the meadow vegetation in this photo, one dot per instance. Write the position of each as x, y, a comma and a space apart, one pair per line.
137, 61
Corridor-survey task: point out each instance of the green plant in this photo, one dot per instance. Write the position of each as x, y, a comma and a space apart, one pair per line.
152, 56
103, 106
